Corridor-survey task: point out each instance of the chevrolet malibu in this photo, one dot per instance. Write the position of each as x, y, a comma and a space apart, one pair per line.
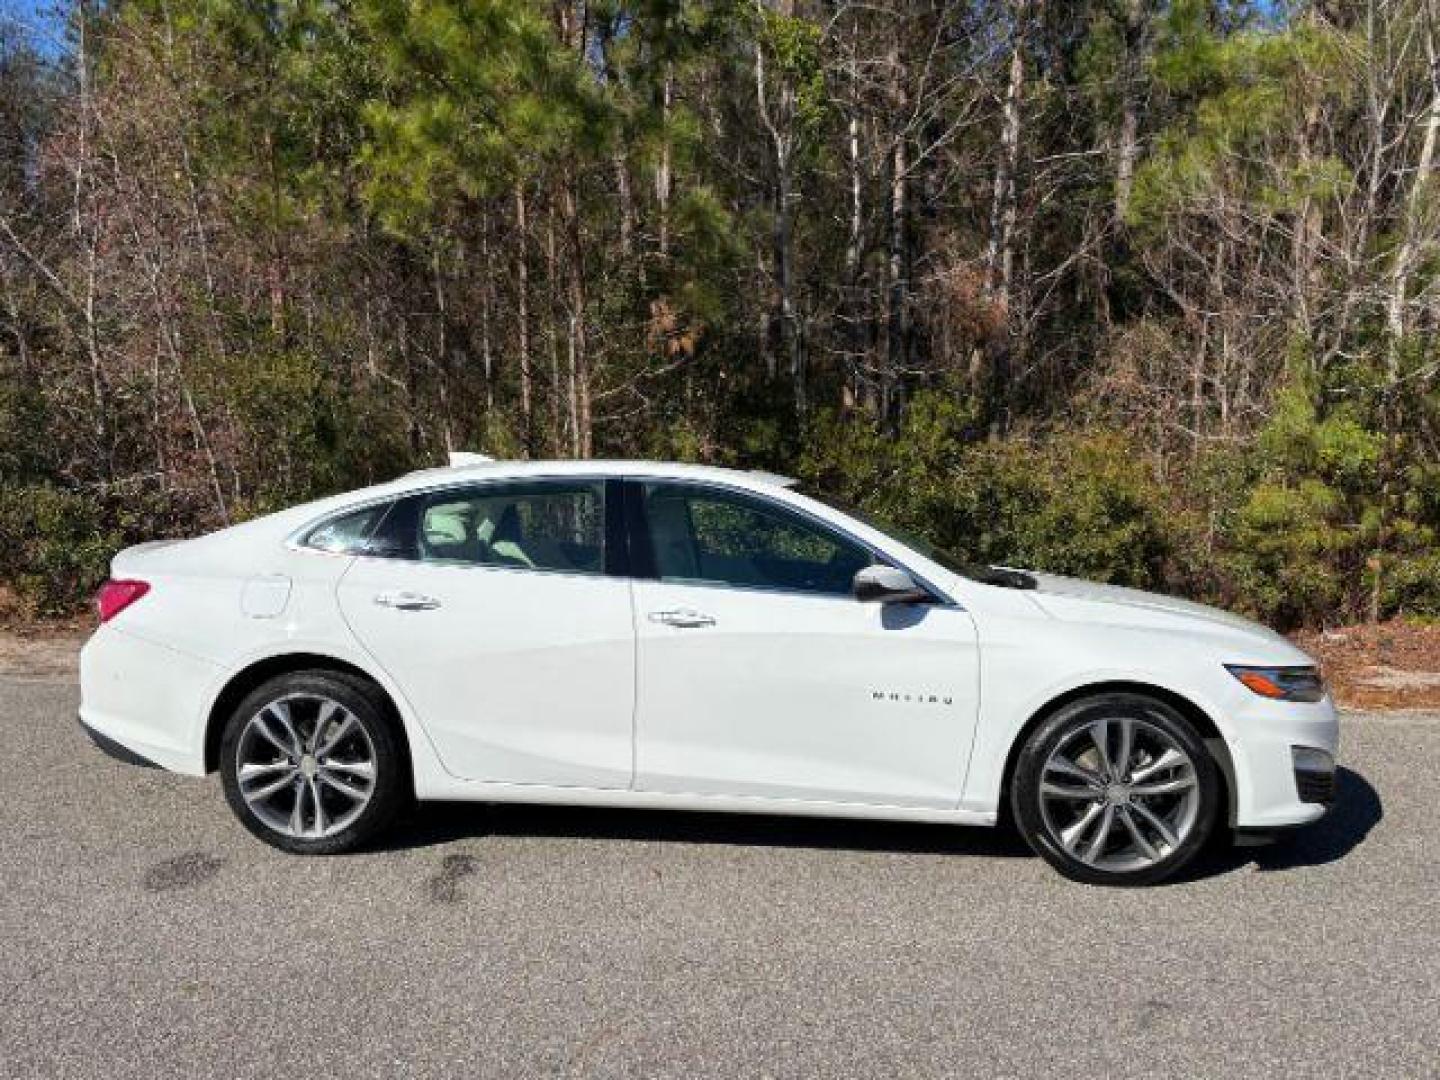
674, 636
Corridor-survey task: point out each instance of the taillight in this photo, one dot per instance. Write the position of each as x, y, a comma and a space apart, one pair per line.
115, 596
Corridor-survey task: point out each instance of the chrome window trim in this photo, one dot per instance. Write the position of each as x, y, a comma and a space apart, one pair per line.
583, 575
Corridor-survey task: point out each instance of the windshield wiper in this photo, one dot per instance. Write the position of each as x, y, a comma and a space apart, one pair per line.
1002, 576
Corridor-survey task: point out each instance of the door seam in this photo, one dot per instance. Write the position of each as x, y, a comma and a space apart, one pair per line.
634, 685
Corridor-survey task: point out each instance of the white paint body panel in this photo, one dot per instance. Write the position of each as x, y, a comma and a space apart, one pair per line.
796, 696
521, 677
526, 686
265, 597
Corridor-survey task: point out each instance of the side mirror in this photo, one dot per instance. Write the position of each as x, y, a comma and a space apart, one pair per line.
888, 585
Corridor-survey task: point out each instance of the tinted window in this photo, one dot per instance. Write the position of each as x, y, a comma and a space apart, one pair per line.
703, 535
347, 534
549, 526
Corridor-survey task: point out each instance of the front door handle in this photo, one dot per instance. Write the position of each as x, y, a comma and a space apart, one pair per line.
684, 617
406, 601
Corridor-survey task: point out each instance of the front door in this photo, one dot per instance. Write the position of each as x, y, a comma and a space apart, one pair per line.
495, 617
759, 674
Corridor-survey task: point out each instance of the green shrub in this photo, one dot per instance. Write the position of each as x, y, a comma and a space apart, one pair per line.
1085, 505
1287, 546
55, 546
1317, 535
1081, 504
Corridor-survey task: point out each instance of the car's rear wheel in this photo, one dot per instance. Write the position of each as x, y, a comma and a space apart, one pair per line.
311, 763
1116, 789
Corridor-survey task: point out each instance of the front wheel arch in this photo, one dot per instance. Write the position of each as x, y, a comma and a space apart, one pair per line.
1204, 727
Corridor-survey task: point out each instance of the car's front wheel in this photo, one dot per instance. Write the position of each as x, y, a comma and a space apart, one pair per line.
312, 764
1116, 789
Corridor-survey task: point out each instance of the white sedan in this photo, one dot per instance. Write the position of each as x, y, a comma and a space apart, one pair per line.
672, 636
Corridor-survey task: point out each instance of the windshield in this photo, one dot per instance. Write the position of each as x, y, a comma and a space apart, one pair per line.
989, 575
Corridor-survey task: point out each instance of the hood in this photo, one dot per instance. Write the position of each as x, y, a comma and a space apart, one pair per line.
1113, 605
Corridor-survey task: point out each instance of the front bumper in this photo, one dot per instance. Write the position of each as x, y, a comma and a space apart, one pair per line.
1315, 772
1284, 759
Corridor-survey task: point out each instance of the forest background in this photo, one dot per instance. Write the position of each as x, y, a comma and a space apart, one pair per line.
1139, 290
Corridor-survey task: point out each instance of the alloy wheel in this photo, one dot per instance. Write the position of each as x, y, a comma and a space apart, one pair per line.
1119, 794
305, 766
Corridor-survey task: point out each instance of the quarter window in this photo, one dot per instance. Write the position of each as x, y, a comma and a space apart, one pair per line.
347, 534
550, 526
708, 536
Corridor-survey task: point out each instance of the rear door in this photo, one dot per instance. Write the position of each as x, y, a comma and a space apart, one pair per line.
491, 607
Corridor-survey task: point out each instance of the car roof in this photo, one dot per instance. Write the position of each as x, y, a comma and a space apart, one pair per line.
495, 470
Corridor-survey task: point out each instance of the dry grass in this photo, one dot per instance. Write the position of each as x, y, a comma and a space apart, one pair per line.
1393, 665
46, 651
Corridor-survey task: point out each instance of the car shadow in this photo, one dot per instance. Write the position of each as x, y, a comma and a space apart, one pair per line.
441, 823
1357, 811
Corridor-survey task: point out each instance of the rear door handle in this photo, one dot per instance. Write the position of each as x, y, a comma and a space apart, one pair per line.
406, 601
684, 617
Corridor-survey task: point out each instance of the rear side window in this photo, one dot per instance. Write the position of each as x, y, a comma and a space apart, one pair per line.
554, 525
347, 534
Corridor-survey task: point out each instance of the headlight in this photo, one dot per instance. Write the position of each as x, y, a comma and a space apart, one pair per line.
1281, 683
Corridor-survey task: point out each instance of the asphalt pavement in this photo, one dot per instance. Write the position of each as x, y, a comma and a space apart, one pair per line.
144, 933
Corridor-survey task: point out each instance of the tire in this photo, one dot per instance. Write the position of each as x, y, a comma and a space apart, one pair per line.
313, 763
1153, 814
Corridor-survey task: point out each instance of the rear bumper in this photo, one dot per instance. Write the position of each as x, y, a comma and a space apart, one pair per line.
146, 699
111, 748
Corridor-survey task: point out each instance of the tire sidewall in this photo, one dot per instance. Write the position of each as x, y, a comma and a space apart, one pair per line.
1038, 746
391, 780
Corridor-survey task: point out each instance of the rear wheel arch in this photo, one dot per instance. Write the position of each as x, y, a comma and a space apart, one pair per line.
1204, 727
262, 671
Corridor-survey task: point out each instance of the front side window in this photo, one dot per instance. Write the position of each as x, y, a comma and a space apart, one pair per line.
703, 535
555, 525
